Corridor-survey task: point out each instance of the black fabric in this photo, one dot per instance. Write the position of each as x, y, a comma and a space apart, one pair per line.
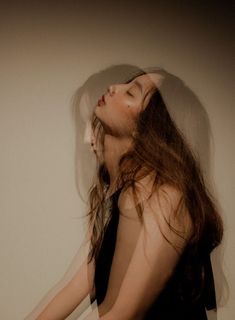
174, 302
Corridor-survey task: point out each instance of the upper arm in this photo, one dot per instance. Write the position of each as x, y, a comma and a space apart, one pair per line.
154, 258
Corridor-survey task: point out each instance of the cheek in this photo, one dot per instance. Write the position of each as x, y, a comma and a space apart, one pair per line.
133, 113
126, 114
126, 107
120, 112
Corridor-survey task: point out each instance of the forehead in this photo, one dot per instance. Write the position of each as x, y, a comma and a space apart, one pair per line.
149, 80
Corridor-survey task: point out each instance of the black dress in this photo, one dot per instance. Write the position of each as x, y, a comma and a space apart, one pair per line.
174, 301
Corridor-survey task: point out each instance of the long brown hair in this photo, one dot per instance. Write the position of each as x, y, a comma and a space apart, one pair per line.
159, 145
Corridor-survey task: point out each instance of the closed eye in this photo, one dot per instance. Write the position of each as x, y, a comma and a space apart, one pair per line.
130, 94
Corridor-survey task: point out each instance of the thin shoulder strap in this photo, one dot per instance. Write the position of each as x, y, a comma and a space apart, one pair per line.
116, 192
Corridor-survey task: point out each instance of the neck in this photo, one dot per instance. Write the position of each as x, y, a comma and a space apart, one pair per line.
114, 148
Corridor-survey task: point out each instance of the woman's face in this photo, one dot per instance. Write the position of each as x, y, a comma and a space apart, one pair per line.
123, 102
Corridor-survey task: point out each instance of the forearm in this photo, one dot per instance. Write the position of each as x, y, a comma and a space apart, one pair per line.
63, 304
69, 292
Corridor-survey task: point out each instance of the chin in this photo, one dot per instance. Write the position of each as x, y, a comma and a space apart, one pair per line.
96, 112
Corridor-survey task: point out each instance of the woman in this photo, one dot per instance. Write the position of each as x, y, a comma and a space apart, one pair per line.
152, 221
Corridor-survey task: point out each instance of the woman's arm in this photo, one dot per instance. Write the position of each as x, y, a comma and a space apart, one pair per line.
66, 301
154, 258
70, 291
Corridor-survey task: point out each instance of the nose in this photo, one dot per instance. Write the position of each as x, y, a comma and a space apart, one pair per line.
114, 88
111, 89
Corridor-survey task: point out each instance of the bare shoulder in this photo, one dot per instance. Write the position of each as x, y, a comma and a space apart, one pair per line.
143, 191
166, 204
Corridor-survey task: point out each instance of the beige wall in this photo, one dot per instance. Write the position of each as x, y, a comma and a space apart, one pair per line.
47, 52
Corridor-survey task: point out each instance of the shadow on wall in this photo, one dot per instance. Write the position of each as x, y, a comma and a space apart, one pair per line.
189, 116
